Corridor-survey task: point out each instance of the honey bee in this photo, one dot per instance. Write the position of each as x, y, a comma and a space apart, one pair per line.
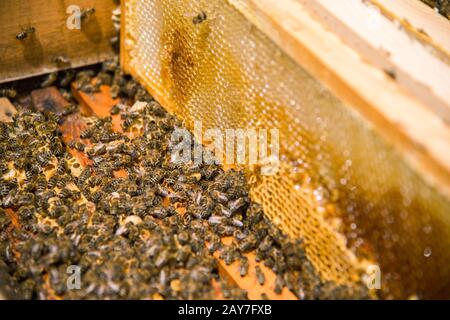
199, 18
8, 93
86, 13
52, 181
243, 267
115, 91
67, 78
65, 193
72, 108
260, 275
41, 184
279, 284
104, 78
49, 80
25, 33
77, 145
62, 167
115, 109
62, 59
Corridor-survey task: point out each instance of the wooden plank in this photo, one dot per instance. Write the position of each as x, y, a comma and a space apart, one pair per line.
49, 100
7, 110
52, 38
417, 132
419, 19
101, 104
379, 40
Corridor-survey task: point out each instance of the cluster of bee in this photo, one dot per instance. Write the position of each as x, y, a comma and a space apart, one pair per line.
150, 233
112, 75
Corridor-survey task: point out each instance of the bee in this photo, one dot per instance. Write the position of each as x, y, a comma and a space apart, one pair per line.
49, 80
162, 258
225, 231
97, 150
77, 145
86, 133
51, 183
130, 88
8, 93
44, 158
216, 220
237, 223
60, 60
115, 91
71, 109
127, 123
41, 184
86, 13
62, 167
243, 267
115, 109
260, 275
65, 193
248, 243
61, 182
96, 161
219, 196
199, 18
264, 296
67, 78
266, 244
90, 87
279, 284
25, 33
104, 78
110, 65
237, 204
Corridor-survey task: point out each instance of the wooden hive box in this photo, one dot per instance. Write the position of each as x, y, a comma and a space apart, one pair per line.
54, 36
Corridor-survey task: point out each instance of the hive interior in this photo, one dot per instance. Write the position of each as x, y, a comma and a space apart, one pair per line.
343, 188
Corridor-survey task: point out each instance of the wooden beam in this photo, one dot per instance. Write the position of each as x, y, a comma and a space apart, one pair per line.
380, 41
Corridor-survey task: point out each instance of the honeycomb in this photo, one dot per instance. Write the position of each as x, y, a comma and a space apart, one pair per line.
341, 187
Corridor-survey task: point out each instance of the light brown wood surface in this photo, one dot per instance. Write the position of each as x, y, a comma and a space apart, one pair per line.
378, 39
421, 20
7, 110
34, 55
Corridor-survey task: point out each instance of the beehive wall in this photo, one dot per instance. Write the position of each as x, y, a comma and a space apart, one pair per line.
341, 187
